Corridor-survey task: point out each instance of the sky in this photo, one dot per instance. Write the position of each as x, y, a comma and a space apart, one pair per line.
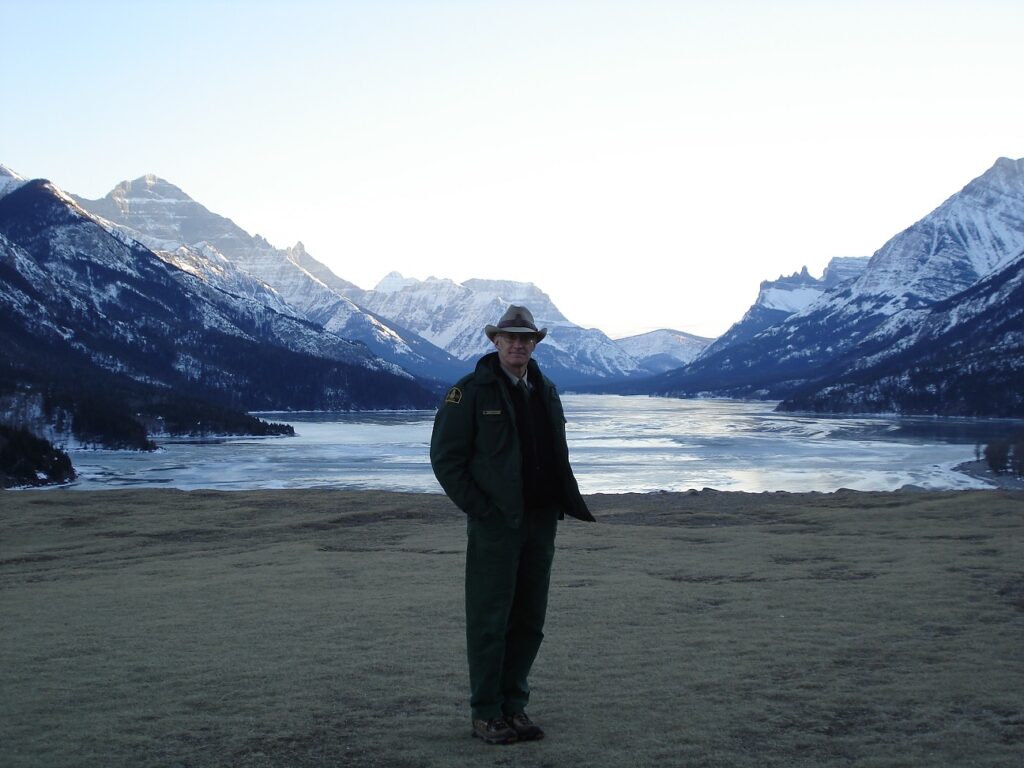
646, 164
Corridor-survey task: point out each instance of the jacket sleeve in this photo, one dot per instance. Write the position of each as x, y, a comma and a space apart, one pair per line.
451, 451
575, 505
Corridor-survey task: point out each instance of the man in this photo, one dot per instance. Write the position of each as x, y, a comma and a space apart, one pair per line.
499, 451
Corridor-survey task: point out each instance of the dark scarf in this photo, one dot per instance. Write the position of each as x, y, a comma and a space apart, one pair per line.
536, 444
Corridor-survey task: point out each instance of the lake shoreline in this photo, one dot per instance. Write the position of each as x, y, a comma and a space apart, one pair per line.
616, 444
979, 470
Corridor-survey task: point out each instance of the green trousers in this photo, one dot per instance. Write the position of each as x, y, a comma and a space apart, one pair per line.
508, 571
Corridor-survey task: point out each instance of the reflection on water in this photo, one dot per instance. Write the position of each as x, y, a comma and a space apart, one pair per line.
617, 444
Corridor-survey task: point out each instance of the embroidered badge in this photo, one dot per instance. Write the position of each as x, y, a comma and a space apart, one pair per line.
492, 413
454, 396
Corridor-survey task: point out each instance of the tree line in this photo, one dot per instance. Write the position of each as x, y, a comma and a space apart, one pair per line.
1004, 456
27, 460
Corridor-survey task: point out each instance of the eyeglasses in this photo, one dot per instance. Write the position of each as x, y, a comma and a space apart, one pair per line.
526, 339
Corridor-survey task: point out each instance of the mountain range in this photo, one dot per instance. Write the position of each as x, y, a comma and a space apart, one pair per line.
963, 356
181, 230
933, 315
104, 342
144, 313
452, 316
429, 328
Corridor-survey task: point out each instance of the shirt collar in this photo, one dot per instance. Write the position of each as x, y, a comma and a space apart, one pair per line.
515, 379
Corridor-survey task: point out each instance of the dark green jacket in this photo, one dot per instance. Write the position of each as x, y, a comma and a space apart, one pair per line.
474, 448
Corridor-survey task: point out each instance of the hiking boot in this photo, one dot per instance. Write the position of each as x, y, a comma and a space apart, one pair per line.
494, 731
525, 728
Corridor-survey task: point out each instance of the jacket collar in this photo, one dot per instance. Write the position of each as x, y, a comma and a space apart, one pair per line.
488, 368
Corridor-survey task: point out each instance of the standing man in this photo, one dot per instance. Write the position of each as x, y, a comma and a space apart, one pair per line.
499, 451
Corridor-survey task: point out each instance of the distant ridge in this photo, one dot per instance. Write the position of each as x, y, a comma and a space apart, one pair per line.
664, 349
453, 316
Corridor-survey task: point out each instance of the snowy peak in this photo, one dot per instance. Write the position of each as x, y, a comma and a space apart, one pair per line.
9, 180
163, 212
921, 278
146, 193
664, 349
299, 256
965, 357
514, 292
452, 316
394, 281
119, 338
185, 233
973, 233
146, 188
1003, 177
800, 290
787, 296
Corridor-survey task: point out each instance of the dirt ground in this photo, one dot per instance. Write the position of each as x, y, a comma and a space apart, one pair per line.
324, 628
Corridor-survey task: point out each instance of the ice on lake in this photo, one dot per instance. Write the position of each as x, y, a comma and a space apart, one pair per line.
616, 444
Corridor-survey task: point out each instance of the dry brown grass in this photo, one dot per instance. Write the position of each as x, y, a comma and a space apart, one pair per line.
316, 628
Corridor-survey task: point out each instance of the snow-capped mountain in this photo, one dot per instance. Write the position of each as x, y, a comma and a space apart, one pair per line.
973, 234
664, 349
453, 315
92, 316
209, 265
182, 230
965, 358
779, 299
430, 328
9, 180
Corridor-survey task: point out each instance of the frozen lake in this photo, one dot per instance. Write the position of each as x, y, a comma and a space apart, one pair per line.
617, 444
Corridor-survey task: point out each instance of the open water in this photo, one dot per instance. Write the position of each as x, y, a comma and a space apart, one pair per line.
616, 444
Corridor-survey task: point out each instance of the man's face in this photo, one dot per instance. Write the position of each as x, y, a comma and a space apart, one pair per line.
515, 349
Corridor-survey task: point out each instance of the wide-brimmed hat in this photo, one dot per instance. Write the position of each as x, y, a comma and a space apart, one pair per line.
515, 320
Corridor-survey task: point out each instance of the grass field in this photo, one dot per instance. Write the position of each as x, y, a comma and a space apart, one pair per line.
325, 628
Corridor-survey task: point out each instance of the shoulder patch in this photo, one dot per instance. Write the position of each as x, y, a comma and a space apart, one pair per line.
454, 396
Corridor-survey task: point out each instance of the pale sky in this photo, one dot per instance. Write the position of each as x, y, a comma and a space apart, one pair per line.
645, 163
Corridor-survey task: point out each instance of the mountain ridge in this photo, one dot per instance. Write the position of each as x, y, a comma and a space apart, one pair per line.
192, 236
804, 340
100, 332
782, 298
166, 216
965, 358
980, 227
664, 349
453, 315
